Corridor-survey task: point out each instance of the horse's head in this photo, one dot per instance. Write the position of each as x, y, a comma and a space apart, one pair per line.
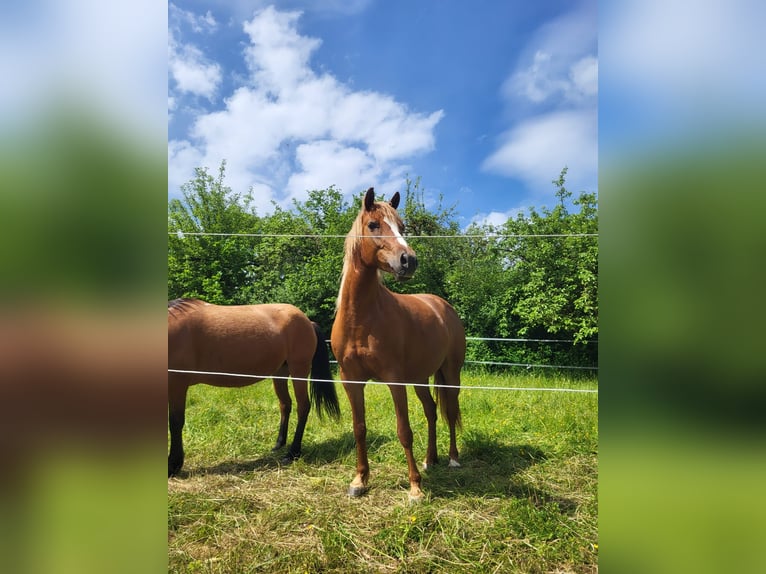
380, 240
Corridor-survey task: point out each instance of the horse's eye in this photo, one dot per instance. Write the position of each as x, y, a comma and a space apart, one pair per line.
373, 225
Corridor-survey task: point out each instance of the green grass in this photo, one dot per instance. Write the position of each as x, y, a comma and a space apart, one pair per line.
524, 499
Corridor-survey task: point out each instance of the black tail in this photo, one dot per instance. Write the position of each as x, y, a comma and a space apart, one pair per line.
322, 391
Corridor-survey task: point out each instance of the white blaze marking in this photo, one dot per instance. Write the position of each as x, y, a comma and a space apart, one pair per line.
395, 231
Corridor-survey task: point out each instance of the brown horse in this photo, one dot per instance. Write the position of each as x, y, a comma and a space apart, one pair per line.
276, 341
394, 338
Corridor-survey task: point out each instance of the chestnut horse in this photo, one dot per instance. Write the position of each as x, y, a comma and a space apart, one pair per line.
394, 338
276, 341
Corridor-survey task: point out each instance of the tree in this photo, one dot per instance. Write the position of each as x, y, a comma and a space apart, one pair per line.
477, 286
556, 284
211, 267
505, 281
515, 281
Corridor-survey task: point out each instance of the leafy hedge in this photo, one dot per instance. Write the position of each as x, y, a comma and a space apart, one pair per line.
535, 276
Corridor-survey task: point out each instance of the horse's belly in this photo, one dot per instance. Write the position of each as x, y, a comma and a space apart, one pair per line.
241, 353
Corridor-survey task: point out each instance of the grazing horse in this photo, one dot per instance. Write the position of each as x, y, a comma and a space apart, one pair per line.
276, 341
394, 338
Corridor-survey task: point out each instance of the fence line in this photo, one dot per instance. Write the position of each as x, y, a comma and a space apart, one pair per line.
501, 339
462, 387
526, 340
529, 365
525, 365
183, 234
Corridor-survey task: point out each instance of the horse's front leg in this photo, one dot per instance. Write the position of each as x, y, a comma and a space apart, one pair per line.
176, 420
404, 431
355, 394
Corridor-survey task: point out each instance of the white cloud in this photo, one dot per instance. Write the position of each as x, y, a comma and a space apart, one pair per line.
182, 159
566, 37
198, 23
191, 71
327, 160
278, 56
290, 129
543, 80
555, 84
494, 218
536, 82
171, 107
537, 149
498, 218
559, 62
584, 76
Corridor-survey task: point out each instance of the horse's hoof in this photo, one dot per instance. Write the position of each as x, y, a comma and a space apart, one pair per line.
357, 491
415, 497
453, 463
291, 456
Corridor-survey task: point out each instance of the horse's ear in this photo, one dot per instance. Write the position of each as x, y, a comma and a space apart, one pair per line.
369, 199
395, 200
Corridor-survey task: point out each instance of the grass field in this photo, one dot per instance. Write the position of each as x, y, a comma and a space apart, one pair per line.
524, 500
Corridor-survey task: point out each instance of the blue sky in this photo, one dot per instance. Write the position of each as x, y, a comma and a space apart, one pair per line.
484, 101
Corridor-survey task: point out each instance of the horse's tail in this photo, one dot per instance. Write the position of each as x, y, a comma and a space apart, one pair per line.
447, 399
322, 387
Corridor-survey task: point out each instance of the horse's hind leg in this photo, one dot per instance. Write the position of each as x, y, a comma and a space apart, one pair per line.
176, 419
300, 388
452, 418
285, 406
450, 407
429, 409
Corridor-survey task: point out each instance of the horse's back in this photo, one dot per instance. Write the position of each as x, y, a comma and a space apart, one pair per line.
228, 320
251, 322
249, 339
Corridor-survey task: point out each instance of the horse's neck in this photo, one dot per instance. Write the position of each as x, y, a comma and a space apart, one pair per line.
361, 293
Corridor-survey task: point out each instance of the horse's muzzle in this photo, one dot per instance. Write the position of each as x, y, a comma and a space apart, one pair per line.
408, 264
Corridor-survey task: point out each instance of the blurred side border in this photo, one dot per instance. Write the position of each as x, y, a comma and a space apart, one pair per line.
682, 244
83, 165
